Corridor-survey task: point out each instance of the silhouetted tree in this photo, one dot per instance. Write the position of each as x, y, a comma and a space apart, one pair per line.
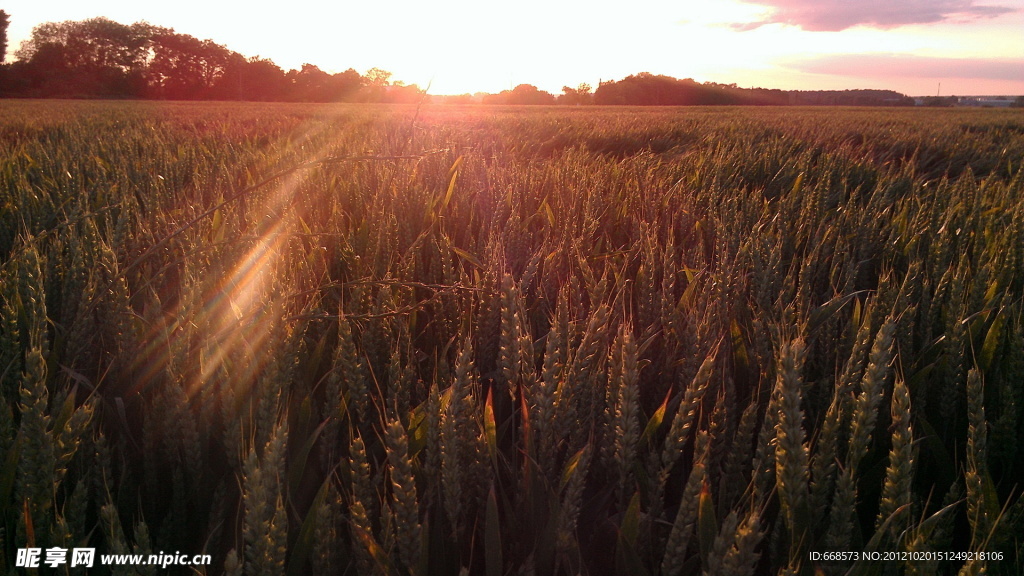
400, 93
378, 77
522, 94
7, 74
186, 68
95, 43
95, 57
5, 21
311, 84
253, 79
308, 84
530, 94
49, 63
576, 96
646, 89
344, 86
375, 85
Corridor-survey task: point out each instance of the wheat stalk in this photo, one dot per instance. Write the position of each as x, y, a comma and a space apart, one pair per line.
684, 418
627, 408
791, 453
686, 516
405, 503
897, 492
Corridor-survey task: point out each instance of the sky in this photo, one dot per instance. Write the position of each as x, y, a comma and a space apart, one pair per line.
916, 47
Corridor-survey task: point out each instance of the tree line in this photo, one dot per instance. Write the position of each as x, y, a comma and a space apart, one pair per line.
100, 58
646, 89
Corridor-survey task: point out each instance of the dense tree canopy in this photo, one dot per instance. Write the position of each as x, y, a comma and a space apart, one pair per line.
646, 89
521, 94
577, 96
100, 58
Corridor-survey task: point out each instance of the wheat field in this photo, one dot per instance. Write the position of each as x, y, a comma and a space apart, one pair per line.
329, 339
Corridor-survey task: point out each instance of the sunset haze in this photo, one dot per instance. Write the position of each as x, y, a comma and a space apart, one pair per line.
457, 46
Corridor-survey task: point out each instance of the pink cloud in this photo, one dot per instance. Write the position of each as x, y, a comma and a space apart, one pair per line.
911, 66
835, 15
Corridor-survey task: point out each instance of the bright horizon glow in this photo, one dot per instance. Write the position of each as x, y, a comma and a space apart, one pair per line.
461, 46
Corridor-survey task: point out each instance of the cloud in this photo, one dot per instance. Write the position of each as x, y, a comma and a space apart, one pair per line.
835, 15
880, 65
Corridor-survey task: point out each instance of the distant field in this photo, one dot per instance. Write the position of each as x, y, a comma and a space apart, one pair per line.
316, 339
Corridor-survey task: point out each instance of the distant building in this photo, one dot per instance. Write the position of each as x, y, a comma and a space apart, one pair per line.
986, 101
